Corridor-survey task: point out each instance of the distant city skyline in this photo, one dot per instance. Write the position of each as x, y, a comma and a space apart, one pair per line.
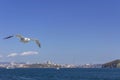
70, 31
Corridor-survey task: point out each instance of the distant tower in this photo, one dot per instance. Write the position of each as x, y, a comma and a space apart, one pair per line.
49, 62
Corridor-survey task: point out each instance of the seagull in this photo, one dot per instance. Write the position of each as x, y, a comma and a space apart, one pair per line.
24, 39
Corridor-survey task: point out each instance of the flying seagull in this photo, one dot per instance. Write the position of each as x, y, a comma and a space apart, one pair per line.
24, 39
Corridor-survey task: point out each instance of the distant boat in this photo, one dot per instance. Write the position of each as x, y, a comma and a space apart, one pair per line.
57, 68
10, 67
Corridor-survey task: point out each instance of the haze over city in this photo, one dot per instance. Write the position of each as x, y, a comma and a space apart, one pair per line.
70, 31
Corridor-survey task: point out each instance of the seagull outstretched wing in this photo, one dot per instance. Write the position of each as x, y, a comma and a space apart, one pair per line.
38, 43
8, 37
19, 36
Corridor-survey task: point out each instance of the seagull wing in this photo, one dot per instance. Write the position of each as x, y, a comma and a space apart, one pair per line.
8, 37
19, 36
38, 43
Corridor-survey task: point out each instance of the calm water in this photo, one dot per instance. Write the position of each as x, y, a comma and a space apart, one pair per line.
61, 74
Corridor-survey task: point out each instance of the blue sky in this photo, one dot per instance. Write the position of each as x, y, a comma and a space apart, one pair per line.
70, 31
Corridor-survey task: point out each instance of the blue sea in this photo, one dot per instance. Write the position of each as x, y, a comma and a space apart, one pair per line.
61, 74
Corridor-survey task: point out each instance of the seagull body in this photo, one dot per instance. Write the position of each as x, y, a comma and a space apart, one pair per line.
24, 39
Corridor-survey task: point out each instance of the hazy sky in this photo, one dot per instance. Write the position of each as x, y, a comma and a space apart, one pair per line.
70, 31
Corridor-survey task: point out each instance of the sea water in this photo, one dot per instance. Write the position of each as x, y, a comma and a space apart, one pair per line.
60, 74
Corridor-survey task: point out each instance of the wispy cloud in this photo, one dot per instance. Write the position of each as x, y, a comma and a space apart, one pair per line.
27, 53
1, 56
12, 55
